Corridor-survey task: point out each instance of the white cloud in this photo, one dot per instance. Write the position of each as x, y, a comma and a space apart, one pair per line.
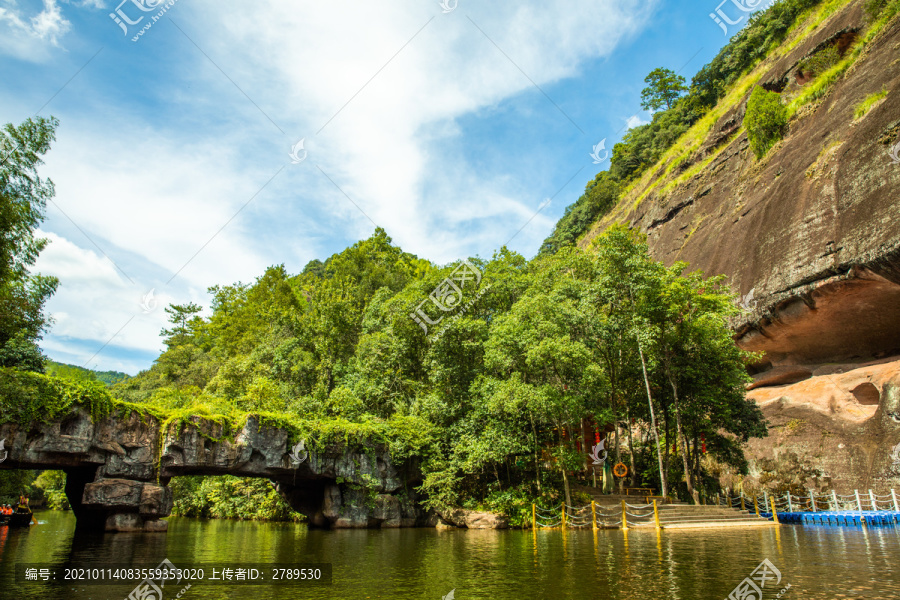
380, 148
157, 201
28, 37
94, 301
635, 121
96, 4
74, 265
155, 206
151, 175
49, 24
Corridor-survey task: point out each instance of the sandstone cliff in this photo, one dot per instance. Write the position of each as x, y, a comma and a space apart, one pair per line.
810, 237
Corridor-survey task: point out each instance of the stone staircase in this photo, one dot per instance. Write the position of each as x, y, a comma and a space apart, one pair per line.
688, 516
675, 515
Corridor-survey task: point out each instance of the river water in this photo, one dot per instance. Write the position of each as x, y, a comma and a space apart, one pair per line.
814, 562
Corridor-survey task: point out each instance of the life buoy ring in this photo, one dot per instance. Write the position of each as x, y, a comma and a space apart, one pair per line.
620, 470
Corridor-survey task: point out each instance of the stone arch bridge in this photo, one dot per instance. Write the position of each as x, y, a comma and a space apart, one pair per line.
118, 468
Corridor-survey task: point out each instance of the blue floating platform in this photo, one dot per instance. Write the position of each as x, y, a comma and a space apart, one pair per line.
839, 518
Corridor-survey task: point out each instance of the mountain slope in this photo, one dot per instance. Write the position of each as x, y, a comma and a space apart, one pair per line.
56, 369
809, 235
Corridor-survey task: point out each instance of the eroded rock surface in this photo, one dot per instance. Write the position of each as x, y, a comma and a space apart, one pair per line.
470, 519
118, 469
835, 430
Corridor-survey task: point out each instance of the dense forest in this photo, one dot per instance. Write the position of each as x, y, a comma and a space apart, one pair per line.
497, 389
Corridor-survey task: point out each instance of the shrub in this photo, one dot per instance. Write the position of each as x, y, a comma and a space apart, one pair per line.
229, 497
874, 7
820, 62
765, 121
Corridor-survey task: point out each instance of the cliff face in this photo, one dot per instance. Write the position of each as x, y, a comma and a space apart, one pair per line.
810, 237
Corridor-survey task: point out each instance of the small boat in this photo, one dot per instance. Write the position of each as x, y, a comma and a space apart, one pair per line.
22, 517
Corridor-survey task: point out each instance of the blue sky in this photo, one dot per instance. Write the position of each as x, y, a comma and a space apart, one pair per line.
448, 129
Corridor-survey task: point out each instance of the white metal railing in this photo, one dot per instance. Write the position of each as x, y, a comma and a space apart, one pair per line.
815, 502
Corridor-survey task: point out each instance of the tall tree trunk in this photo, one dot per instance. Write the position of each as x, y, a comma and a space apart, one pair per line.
565, 475
330, 380
566, 485
667, 453
697, 453
562, 462
616, 442
537, 455
662, 473
633, 474
684, 446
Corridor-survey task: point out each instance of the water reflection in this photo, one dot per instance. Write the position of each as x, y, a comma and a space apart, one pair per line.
818, 562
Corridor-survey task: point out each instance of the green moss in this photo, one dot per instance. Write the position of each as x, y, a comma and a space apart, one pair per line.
30, 399
822, 84
863, 108
701, 166
875, 7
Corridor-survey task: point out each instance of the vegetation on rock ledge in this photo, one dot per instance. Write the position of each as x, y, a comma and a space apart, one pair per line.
765, 121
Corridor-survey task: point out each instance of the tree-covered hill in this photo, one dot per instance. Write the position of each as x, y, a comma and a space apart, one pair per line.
499, 364
57, 369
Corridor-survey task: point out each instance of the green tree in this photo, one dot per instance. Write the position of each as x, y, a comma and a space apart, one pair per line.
23, 200
55, 369
665, 88
627, 289
600, 195
692, 318
53, 485
185, 322
15, 482
542, 352
691, 368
